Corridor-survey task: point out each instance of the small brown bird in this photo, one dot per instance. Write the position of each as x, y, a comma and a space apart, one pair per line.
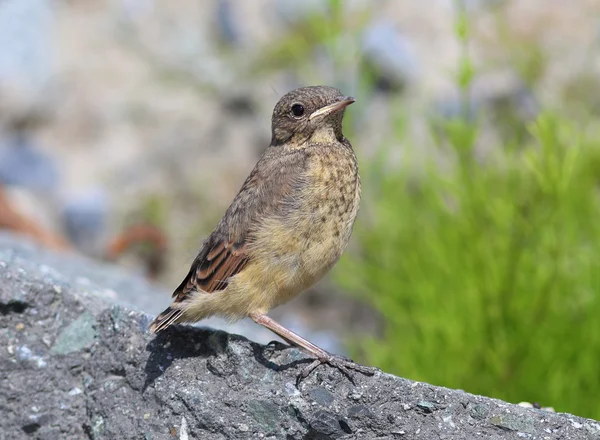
286, 228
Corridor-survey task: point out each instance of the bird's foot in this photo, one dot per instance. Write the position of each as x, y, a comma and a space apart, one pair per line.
275, 346
345, 365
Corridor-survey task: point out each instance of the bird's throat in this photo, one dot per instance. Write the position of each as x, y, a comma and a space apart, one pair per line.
324, 135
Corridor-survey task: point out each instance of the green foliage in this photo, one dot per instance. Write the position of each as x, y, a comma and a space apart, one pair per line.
485, 267
487, 274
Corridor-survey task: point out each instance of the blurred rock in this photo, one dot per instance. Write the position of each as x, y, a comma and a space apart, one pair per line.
390, 55
227, 27
503, 101
294, 11
85, 218
453, 106
23, 163
239, 104
519, 101
83, 274
74, 366
25, 45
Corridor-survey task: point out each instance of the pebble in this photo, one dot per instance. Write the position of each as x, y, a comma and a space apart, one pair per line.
75, 391
291, 389
24, 353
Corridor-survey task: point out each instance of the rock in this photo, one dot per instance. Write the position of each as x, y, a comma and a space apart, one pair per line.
74, 366
23, 163
291, 11
26, 43
390, 54
227, 26
85, 219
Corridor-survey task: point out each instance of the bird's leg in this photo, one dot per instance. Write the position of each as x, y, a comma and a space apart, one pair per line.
322, 357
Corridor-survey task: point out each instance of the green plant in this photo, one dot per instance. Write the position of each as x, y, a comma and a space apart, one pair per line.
485, 267
488, 275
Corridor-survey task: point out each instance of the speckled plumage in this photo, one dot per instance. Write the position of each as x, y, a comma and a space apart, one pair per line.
288, 225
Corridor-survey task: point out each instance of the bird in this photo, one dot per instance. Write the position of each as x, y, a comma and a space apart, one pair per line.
285, 229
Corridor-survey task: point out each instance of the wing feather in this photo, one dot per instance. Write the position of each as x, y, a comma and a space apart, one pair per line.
265, 192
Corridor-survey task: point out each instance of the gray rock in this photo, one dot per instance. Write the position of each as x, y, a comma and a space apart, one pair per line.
227, 25
26, 43
23, 163
103, 376
292, 11
85, 217
390, 54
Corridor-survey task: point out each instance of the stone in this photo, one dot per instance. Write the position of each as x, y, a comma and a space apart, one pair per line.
390, 54
76, 336
106, 377
24, 163
85, 218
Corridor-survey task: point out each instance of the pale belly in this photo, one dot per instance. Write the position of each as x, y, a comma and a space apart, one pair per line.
273, 278
296, 257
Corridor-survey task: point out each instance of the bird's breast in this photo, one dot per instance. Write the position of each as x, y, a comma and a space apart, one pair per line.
331, 204
306, 240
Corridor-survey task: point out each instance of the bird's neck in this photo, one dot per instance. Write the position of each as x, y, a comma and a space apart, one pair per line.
325, 135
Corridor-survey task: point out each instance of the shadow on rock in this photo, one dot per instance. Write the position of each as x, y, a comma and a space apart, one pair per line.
287, 356
180, 342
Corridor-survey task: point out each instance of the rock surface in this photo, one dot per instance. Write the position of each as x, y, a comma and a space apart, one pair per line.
73, 365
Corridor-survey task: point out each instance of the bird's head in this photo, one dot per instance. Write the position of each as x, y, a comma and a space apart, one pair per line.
314, 112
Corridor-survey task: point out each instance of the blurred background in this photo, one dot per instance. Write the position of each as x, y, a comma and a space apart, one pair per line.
127, 127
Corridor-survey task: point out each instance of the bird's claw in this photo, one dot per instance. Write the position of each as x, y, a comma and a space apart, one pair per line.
275, 346
345, 365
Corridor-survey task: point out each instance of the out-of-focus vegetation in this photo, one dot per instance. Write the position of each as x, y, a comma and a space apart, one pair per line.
487, 274
484, 260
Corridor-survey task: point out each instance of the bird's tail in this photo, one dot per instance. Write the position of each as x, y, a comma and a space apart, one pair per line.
165, 319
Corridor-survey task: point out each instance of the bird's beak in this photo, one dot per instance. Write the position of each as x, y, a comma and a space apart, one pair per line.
332, 108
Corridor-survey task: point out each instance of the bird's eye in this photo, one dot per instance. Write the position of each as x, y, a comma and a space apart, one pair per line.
297, 110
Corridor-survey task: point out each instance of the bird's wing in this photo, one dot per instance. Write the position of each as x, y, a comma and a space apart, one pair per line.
271, 188
211, 271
